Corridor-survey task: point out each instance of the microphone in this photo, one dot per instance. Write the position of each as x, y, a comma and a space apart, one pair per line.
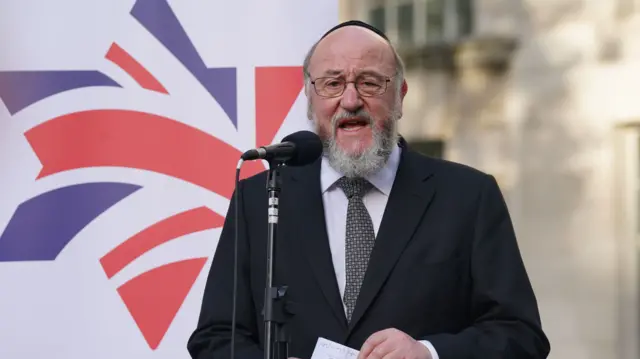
297, 149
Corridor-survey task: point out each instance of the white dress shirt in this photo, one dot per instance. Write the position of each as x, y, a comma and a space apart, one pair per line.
335, 211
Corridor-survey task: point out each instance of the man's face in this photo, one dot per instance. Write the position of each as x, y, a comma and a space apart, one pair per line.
358, 127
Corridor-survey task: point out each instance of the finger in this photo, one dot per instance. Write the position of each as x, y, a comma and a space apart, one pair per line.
396, 353
372, 342
383, 349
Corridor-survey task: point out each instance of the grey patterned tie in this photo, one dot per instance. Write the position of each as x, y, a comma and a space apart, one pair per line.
360, 238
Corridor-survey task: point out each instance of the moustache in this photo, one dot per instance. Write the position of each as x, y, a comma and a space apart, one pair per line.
360, 116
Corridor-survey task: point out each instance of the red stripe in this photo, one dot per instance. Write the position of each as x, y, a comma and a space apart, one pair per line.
272, 107
139, 73
123, 138
195, 220
154, 297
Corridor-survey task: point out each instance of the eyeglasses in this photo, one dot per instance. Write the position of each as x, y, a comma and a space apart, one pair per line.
367, 85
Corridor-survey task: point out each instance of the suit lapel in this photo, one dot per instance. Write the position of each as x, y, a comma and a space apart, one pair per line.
313, 240
409, 198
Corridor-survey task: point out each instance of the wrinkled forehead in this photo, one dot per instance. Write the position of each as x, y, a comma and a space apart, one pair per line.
351, 51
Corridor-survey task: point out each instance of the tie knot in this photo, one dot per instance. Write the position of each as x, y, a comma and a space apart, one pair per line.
354, 187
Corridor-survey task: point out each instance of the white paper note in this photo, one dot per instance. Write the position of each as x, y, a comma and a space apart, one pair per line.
327, 349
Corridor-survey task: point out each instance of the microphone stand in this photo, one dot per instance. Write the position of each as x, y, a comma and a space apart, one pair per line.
276, 338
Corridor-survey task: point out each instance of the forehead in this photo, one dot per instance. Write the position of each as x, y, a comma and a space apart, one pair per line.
352, 50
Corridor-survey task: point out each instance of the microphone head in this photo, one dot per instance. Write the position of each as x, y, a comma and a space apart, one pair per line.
308, 148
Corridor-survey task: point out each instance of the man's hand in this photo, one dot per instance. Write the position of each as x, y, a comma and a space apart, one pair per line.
393, 344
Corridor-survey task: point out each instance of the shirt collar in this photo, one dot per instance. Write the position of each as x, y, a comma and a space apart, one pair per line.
381, 180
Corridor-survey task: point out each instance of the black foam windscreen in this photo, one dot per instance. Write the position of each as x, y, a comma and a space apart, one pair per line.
308, 148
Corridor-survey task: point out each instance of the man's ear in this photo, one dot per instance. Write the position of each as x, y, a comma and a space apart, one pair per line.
404, 89
400, 99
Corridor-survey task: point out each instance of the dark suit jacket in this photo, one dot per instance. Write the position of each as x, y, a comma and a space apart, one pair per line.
446, 268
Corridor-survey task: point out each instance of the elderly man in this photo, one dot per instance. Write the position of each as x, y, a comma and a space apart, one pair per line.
384, 250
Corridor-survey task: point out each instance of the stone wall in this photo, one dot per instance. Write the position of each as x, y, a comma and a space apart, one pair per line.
535, 98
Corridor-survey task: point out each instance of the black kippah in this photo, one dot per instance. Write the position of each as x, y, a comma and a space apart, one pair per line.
356, 23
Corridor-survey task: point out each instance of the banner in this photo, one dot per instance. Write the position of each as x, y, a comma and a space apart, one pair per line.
121, 125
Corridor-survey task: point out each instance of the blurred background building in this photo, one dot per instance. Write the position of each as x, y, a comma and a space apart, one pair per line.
544, 95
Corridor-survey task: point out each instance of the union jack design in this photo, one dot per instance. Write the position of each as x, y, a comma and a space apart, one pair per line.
42, 226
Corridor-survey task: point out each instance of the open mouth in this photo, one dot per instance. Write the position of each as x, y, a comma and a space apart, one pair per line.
352, 124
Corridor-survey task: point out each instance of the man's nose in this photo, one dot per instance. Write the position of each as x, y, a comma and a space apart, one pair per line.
351, 99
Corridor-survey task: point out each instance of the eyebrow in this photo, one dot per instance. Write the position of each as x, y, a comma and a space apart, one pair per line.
334, 72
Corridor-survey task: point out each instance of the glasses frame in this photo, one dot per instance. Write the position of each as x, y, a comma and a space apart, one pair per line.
387, 79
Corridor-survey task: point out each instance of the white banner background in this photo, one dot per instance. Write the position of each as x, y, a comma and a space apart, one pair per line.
66, 306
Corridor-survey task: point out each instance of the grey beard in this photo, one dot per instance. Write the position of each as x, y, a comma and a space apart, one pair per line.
372, 159
368, 162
